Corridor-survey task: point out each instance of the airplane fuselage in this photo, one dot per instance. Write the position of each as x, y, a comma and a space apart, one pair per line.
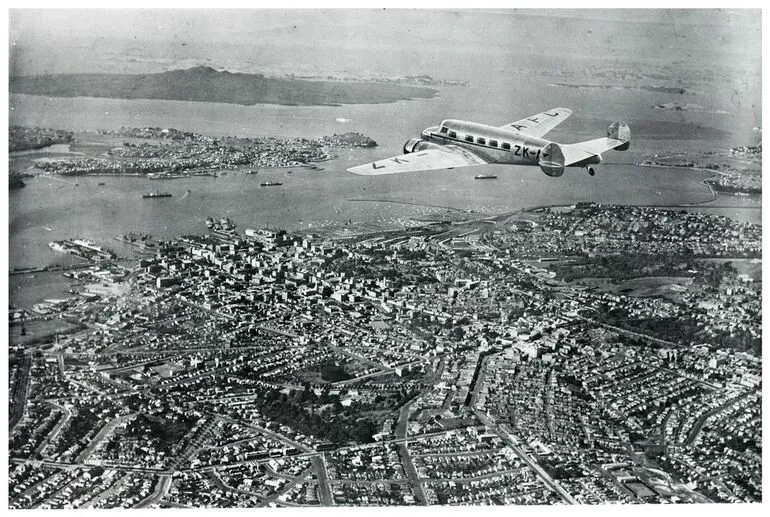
459, 143
496, 145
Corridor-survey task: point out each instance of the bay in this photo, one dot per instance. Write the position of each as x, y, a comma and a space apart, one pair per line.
51, 208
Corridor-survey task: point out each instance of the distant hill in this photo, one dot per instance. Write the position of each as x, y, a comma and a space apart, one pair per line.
204, 84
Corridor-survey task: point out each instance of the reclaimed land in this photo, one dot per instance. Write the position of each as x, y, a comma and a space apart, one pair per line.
204, 84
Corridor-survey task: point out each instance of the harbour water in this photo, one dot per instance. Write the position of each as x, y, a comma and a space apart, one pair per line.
49, 208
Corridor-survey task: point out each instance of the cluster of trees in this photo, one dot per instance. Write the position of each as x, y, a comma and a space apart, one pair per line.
623, 267
301, 410
166, 430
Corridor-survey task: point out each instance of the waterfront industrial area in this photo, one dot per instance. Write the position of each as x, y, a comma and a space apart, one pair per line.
578, 354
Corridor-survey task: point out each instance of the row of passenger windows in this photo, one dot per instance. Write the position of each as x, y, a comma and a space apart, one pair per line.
478, 140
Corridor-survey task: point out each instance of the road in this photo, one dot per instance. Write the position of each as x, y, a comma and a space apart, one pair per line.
161, 488
101, 435
67, 414
704, 417
325, 491
293, 481
513, 444
402, 429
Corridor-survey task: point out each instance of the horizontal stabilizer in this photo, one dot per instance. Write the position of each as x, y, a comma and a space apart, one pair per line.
584, 153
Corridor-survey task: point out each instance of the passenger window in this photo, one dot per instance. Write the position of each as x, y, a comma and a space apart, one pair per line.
444, 130
481, 140
506, 145
468, 138
493, 143
452, 134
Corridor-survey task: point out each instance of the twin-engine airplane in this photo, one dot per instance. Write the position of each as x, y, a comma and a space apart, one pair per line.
456, 143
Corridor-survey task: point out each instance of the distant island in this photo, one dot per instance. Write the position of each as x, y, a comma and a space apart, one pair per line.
205, 84
22, 138
675, 106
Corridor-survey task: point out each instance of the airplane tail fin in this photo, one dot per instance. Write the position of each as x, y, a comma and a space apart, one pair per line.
620, 131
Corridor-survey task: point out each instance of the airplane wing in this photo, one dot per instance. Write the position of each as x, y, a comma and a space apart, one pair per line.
443, 157
574, 153
540, 124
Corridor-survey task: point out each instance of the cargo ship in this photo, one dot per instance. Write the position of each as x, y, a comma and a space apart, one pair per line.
486, 177
156, 194
271, 183
165, 176
59, 246
83, 248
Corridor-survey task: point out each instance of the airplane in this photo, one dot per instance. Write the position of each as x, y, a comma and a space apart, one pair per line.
458, 143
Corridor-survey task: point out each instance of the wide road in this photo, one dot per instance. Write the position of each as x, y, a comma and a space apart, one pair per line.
542, 474
324, 489
161, 488
402, 428
101, 435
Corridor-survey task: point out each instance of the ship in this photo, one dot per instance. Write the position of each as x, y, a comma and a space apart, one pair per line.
165, 176
486, 177
271, 183
157, 194
60, 246
83, 248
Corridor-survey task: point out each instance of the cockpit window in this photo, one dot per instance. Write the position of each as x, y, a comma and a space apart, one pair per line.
452, 134
493, 143
506, 145
469, 138
444, 130
480, 140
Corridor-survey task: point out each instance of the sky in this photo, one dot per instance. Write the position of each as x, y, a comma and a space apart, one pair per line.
141, 40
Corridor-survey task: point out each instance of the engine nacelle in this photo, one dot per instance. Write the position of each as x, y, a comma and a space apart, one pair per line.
552, 160
416, 145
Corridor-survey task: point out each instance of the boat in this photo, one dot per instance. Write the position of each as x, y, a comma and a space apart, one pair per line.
271, 183
165, 176
486, 177
101, 183
156, 194
59, 246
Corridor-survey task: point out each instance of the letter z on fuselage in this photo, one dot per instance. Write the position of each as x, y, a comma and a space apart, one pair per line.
458, 143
